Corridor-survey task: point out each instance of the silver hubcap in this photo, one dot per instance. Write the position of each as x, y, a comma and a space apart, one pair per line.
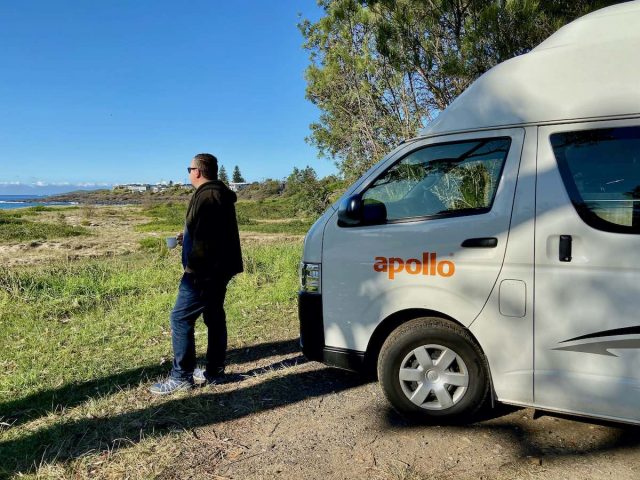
433, 377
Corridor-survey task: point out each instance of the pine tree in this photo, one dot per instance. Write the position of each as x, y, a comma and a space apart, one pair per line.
237, 176
222, 175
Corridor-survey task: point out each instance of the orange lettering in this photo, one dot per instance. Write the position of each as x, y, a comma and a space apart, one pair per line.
413, 270
433, 263
392, 267
451, 268
428, 266
381, 264
425, 263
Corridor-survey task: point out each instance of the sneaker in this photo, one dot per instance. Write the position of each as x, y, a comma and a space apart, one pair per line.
201, 377
170, 385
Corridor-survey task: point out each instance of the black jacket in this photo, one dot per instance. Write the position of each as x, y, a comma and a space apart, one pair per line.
213, 228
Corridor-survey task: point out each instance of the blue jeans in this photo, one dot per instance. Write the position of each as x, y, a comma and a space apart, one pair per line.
195, 299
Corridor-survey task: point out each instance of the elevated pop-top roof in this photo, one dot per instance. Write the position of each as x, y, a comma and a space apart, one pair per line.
589, 68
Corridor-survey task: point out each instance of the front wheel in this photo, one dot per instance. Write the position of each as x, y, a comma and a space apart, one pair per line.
432, 368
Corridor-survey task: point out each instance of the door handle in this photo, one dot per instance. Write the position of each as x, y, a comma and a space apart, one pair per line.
565, 248
484, 242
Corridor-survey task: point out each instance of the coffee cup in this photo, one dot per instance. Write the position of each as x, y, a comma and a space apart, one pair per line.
172, 242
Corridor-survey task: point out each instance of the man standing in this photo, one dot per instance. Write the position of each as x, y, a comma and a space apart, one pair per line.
211, 256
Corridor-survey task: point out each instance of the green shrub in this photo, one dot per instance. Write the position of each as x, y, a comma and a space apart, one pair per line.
16, 229
166, 217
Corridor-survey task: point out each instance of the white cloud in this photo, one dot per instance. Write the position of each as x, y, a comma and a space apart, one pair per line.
93, 184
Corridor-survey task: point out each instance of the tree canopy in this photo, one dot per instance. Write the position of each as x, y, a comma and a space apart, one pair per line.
382, 69
311, 196
222, 175
237, 176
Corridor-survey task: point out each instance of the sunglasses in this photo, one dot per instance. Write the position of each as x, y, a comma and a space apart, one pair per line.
192, 168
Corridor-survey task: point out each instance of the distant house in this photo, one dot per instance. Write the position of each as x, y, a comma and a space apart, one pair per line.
157, 188
137, 187
237, 186
132, 187
160, 187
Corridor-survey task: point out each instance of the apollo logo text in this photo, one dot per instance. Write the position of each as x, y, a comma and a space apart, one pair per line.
429, 265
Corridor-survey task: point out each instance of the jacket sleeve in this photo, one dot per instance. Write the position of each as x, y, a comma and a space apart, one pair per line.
202, 231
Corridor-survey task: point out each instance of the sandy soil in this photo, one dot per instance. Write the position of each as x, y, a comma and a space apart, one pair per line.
112, 232
321, 423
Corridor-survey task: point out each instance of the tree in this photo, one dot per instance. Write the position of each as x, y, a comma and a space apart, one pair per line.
381, 69
237, 176
366, 105
310, 195
222, 175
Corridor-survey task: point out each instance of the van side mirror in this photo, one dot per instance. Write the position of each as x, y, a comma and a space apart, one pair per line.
350, 211
354, 211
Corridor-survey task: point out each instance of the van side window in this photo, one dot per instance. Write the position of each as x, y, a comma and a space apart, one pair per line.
601, 172
442, 180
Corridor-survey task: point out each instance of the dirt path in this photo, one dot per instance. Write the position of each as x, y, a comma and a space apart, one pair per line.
313, 422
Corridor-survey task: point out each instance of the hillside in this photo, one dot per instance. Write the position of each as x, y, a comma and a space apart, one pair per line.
120, 197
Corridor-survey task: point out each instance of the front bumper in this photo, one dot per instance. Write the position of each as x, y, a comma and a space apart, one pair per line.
312, 336
311, 325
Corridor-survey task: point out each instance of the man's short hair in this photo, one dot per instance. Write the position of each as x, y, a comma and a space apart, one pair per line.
208, 165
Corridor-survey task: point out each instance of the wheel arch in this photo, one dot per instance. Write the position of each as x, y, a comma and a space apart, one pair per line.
393, 321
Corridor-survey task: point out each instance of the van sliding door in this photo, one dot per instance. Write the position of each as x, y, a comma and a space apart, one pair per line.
587, 271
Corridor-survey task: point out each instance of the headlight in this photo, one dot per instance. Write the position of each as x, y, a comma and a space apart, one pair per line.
310, 277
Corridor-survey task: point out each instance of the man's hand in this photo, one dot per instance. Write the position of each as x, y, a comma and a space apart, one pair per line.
180, 237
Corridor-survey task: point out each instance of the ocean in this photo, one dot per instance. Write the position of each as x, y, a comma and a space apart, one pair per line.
20, 201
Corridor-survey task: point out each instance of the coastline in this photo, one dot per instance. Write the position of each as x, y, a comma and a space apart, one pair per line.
111, 197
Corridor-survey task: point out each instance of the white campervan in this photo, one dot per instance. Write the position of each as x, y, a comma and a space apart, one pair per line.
499, 252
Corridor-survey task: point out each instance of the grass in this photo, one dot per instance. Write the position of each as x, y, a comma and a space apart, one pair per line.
271, 208
265, 216
292, 227
13, 228
166, 217
81, 340
36, 210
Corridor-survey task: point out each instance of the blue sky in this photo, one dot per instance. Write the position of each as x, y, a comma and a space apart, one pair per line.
124, 91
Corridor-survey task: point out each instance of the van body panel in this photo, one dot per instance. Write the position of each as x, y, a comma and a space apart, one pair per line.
587, 329
507, 341
356, 298
313, 238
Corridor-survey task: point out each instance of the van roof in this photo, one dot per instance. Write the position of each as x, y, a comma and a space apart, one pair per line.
588, 68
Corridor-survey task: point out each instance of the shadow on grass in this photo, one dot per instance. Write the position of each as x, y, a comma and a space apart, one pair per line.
72, 439
17, 412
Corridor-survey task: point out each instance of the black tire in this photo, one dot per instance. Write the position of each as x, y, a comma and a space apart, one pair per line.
406, 347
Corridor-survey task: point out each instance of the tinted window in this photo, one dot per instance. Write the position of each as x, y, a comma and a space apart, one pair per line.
601, 171
445, 179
